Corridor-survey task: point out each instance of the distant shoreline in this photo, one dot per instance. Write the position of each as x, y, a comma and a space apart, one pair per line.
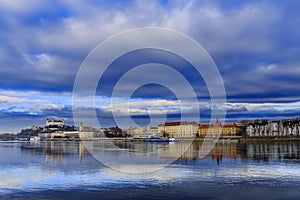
279, 139
241, 140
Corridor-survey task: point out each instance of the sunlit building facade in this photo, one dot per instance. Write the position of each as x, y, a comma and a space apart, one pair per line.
228, 130
179, 129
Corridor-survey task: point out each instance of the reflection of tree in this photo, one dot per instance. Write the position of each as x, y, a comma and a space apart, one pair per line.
274, 151
283, 128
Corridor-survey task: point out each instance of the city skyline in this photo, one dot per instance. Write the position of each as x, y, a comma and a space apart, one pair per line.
255, 45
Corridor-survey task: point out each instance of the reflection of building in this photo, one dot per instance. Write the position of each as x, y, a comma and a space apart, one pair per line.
183, 150
221, 151
179, 129
186, 151
54, 151
82, 150
275, 151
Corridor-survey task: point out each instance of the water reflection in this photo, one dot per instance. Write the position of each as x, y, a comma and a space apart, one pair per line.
66, 166
275, 151
55, 151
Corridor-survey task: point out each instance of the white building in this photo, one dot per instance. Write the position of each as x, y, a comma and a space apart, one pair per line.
273, 129
143, 132
152, 130
136, 130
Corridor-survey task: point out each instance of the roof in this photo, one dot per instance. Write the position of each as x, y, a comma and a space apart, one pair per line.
229, 125
218, 124
178, 123
204, 126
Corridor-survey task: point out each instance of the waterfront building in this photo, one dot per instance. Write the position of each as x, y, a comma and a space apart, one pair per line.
58, 134
216, 129
44, 136
114, 132
91, 133
65, 134
88, 132
143, 132
133, 131
71, 134
275, 128
250, 131
153, 130
213, 130
161, 129
284, 128
229, 130
179, 129
139, 132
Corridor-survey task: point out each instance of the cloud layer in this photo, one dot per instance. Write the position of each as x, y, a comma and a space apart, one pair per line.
255, 44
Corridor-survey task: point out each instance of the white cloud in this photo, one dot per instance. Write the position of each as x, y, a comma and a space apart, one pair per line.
18, 6
264, 106
32, 101
12, 100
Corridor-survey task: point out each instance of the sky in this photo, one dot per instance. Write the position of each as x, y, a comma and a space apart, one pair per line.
254, 44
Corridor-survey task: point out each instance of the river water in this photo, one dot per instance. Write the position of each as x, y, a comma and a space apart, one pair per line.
76, 170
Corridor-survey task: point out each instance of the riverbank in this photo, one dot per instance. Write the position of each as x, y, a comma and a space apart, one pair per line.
239, 139
269, 139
